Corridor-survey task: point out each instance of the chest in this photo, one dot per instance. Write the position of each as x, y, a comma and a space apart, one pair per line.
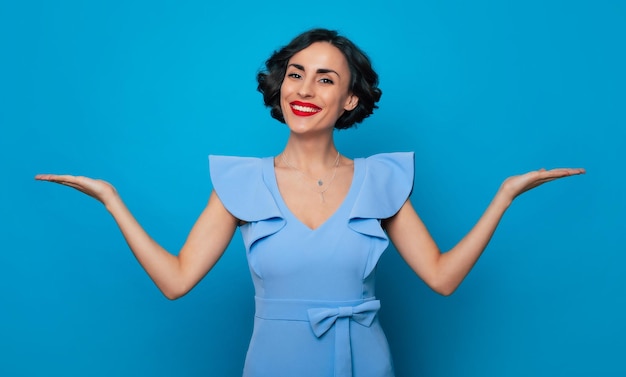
313, 204
328, 262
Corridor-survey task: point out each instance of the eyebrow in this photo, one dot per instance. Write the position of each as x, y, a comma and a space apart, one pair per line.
319, 70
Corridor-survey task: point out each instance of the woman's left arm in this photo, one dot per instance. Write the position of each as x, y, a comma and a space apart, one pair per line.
444, 272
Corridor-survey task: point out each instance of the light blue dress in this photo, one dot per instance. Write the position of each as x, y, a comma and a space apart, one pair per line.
316, 310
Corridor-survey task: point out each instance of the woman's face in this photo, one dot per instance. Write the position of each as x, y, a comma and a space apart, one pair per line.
315, 90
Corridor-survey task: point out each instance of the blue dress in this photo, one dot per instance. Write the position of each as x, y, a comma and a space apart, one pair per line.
316, 310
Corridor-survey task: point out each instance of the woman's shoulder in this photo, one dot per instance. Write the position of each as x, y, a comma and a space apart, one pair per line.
399, 162
226, 159
391, 156
239, 183
238, 165
387, 184
235, 168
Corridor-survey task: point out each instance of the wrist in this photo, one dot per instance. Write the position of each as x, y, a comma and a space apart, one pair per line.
112, 201
503, 198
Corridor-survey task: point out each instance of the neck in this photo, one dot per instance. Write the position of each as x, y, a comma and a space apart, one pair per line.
311, 156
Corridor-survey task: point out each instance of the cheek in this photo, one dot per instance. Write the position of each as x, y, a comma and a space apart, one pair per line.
283, 101
285, 89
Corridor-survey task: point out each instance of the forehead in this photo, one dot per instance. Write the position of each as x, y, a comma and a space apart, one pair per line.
321, 55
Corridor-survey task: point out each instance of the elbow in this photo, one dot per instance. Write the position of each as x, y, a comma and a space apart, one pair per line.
174, 293
444, 288
445, 291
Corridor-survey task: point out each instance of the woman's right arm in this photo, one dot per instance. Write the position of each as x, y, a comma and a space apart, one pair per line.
173, 275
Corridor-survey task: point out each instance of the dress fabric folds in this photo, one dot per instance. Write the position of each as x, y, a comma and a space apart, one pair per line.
316, 310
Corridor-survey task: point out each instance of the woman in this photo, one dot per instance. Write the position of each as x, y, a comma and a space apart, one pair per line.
314, 222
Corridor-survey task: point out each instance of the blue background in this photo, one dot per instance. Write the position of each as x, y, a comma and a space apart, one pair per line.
139, 92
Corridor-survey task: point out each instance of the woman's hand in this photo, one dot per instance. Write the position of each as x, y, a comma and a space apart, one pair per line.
519, 184
101, 190
445, 271
175, 275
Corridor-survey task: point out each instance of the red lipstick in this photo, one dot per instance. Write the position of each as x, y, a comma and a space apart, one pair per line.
304, 109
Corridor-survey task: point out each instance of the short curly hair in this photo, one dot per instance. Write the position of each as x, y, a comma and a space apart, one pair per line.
363, 80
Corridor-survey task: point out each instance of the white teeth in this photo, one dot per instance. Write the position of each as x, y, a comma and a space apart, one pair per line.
305, 109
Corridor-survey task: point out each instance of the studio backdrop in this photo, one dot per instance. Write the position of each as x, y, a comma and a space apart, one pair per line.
140, 92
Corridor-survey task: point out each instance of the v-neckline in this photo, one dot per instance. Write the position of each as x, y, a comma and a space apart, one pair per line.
270, 173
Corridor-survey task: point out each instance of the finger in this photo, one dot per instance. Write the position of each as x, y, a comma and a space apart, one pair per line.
46, 177
560, 172
43, 177
56, 178
568, 170
546, 179
65, 181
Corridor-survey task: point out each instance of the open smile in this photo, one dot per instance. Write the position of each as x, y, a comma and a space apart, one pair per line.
304, 109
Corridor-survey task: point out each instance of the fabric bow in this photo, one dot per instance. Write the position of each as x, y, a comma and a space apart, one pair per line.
322, 319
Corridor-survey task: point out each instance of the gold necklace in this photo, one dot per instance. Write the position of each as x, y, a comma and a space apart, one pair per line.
320, 182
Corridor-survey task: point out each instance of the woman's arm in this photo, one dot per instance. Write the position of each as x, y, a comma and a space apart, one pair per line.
173, 275
444, 272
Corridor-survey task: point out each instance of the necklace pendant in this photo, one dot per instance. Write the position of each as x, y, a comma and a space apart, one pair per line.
320, 182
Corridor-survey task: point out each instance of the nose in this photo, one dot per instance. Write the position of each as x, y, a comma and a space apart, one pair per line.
306, 89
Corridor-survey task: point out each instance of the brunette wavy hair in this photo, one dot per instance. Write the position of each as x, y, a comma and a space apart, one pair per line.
363, 80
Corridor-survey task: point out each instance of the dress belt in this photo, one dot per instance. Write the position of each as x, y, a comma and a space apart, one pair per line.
322, 315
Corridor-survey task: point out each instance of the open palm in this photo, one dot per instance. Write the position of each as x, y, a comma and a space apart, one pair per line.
96, 188
519, 184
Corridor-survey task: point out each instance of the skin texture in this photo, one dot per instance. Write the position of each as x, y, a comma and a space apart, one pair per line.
318, 77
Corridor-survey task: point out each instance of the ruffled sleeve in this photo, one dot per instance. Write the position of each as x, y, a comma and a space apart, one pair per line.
387, 184
239, 183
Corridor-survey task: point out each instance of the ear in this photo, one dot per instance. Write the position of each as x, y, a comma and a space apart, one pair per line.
351, 102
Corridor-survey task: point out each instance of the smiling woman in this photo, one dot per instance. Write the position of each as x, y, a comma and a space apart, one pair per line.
361, 78
314, 222
317, 83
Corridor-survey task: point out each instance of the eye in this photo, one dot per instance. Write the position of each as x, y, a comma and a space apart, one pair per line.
326, 81
294, 75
